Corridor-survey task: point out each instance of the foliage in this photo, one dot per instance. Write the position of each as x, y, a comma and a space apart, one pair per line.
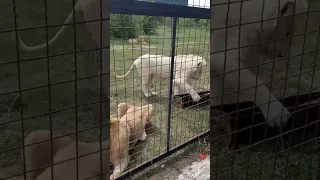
204, 22
125, 26
149, 25
194, 22
186, 22
128, 26
122, 26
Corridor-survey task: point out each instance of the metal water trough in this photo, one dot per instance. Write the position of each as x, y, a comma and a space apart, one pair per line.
185, 100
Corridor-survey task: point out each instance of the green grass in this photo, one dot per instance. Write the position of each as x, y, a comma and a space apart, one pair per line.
185, 123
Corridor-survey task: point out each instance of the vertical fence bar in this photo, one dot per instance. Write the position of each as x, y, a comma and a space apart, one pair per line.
173, 50
318, 166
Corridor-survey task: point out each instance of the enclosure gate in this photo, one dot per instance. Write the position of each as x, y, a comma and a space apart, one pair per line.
164, 8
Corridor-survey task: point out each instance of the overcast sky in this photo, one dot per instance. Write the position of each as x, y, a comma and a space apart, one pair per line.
199, 3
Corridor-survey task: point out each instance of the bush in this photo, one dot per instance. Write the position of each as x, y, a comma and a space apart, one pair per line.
149, 25
204, 22
186, 22
122, 26
194, 22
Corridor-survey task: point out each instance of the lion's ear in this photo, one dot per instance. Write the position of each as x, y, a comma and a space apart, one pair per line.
287, 9
146, 112
122, 109
199, 64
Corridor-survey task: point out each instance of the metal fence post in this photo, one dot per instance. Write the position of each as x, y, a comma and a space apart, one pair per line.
173, 50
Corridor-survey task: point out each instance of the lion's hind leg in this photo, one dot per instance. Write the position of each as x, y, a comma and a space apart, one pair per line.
146, 86
150, 83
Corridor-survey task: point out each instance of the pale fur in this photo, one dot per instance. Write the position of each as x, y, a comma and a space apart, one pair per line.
99, 31
119, 146
137, 40
124, 133
132, 124
187, 69
227, 62
64, 154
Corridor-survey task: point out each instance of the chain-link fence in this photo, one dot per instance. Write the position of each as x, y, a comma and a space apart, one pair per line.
264, 59
55, 80
158, 59
52, 97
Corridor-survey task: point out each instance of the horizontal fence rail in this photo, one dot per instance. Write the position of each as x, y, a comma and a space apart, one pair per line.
133, 7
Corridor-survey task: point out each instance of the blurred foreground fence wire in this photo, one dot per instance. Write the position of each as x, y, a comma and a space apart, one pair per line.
56, 86
264, 89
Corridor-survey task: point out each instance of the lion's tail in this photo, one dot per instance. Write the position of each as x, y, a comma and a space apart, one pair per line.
146, 56
114, 120
24, 48
126, 73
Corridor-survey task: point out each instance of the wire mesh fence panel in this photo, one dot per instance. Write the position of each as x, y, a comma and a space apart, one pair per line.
266, 94
54, 115
52, 99
192, 120
142, 74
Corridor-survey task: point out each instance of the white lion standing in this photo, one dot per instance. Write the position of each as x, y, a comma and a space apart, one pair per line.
187, 68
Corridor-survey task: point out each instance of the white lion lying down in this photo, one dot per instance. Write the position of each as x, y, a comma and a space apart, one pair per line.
187, 68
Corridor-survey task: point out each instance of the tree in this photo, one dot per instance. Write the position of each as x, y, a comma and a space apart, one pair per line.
122, 26
149, 25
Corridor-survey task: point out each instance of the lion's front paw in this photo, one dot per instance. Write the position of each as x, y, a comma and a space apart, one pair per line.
144, 136
112, 177
277, 114
196, 97
154, 93
147, 94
